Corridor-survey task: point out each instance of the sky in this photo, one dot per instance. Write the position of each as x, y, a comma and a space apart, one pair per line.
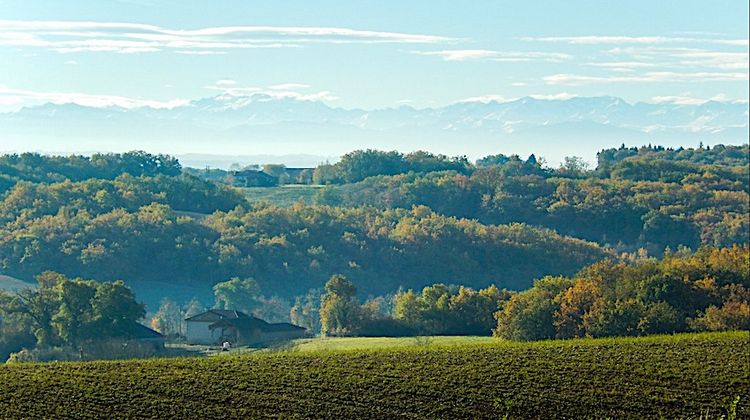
371, 54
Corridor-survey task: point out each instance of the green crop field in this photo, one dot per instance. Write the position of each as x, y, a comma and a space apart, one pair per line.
683, 376
282, 196
377, 343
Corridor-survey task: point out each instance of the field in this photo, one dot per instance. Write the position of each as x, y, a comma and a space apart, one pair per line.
683, 376
282, 196
381, 343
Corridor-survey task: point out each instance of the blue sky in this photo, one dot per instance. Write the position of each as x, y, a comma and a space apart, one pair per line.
370, 54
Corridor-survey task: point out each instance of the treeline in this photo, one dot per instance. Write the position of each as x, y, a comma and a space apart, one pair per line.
361, 164
37, 168
708, 290
639, 201
718, 155
26, 201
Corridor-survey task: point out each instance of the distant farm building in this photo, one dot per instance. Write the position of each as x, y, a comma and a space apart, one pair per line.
218, 325
254, 331
259, 178
253, 178
299, 175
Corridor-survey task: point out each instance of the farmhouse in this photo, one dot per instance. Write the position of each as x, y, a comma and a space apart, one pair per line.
197, 326
218, 325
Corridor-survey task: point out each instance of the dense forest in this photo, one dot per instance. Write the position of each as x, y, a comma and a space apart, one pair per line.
649, 198
386, 220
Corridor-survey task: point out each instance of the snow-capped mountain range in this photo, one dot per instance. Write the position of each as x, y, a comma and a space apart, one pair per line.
262, 124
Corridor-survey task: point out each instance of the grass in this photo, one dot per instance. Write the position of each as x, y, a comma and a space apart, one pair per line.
282, 196
379, 343
682, 376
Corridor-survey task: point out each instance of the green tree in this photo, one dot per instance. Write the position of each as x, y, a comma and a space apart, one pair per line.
114, 309
339, 310
529, 315
73, 316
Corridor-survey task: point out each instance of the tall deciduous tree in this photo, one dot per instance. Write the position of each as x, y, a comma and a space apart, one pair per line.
339, 310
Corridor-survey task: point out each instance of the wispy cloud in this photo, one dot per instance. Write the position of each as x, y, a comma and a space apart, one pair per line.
620, 40
681, 57
629, 65
10, 96
128, 38
661, 77
714, 59
491, 55
204, 52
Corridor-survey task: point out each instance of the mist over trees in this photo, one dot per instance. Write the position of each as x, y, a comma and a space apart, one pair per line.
287, 250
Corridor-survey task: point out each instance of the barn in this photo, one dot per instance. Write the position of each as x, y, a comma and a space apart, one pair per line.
218, 325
